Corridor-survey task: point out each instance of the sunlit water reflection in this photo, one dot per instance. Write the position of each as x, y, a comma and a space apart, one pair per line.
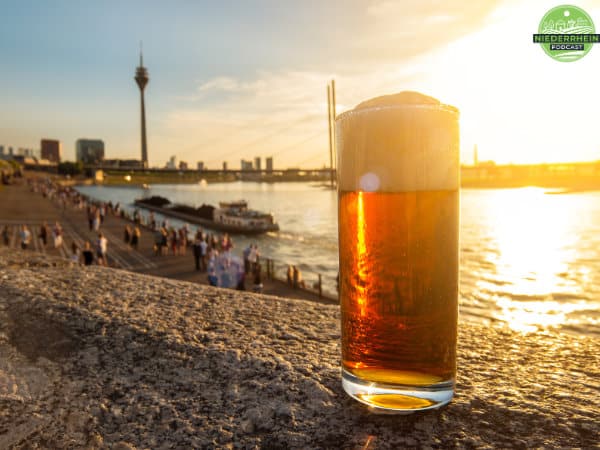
529, 260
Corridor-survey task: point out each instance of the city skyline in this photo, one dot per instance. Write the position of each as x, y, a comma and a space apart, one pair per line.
228, 86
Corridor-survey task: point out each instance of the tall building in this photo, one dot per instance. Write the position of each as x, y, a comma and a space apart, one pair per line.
51, 150
172, 163
89, 151
200, 166
142, 78
269, 162
246, 165
224, 166
257, 164
1, 150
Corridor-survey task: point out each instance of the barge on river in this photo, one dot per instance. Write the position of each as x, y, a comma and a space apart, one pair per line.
230, 217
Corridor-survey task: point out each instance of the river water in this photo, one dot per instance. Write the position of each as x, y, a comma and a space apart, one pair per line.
529, 259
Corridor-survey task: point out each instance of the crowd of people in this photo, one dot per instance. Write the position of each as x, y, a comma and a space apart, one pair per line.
168, 239
206, 248
212, 254
25, 235
84, 256
53, 236
132, 236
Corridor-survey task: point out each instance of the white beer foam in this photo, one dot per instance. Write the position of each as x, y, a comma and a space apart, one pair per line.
398, 143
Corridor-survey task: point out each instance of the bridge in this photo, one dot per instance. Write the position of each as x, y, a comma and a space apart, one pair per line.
213, 171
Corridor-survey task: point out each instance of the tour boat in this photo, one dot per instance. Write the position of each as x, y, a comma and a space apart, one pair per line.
230, 217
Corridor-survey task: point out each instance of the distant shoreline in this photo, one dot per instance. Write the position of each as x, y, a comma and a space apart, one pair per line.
561, 184
555, 188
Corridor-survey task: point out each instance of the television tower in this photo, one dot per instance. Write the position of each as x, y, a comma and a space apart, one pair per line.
142, 78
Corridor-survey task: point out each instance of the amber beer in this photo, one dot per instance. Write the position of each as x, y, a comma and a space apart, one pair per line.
398, 238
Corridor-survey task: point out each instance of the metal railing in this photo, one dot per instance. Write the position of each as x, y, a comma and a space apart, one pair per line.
305, 279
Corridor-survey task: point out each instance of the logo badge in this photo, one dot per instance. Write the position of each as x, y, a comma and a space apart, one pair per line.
566, 33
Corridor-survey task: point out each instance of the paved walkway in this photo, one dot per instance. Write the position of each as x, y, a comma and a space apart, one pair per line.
18, 205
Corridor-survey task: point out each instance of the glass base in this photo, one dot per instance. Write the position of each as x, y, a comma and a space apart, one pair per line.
397, 399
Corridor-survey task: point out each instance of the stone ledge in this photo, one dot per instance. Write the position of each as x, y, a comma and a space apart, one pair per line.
105, 358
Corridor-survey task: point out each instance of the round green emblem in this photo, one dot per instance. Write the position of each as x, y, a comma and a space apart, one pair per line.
563, 24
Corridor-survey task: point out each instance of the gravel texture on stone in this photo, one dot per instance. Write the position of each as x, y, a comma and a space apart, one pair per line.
103, 358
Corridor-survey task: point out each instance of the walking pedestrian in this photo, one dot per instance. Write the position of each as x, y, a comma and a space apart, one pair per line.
90, 216
158, 238
87, 255
101, 248
298, 281
203, 255
57, 235
127, 234
226, 243
6, 235
135, 237
246, 255
253, 257
182, 240
197, 249
25, 236
75, 256
174, 241
164, 243
44, 234
96, 221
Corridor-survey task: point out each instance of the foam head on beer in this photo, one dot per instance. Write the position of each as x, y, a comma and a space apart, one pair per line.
401, 142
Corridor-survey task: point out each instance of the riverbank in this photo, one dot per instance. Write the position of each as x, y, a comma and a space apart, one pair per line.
138, 178
20, 206
569, 176
95, 357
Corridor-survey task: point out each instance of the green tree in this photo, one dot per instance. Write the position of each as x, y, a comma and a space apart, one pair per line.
70, 168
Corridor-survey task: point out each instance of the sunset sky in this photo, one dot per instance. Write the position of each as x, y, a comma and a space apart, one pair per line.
239, 79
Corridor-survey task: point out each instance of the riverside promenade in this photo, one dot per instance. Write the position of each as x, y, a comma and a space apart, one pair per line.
18, 206
92, 357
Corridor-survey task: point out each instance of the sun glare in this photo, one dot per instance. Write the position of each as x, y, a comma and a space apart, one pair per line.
533, 248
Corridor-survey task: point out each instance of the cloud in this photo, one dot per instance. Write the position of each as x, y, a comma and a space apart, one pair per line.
233, 117
394, 30
226, 84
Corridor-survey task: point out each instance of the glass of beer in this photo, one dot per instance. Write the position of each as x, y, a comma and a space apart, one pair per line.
398, 184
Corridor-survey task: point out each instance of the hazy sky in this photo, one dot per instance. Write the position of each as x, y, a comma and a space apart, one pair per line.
238, 79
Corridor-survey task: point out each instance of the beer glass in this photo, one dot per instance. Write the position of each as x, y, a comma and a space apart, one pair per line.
398, 185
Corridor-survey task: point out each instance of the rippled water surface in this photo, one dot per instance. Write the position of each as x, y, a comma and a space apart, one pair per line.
529, 259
